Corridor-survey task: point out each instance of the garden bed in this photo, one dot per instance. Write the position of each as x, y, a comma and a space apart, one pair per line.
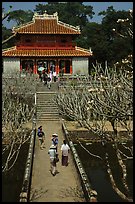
77, 132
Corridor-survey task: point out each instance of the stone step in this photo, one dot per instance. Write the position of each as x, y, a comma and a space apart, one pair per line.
46, 101
51, 101
47, 109
40, 115
48, 119
46, 92
45, 98
44, 115
43, 106
48, 106
47, 113
40, 118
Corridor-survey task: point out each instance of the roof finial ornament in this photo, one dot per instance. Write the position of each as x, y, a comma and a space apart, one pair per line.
35, 14
90, 50
78, 28
55, 14
45, 14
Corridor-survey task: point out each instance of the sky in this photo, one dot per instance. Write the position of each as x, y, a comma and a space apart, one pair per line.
97, 7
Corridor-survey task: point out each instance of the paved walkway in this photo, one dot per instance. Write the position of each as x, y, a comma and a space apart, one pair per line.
65, 185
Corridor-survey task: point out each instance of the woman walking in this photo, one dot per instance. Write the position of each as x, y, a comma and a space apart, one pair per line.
65, 151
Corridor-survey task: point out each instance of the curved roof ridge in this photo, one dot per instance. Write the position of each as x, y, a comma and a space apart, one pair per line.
77, 28
22, 25
9, 49
83, 49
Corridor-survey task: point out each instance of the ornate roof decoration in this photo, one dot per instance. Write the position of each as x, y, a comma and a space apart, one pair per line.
46, 24
77, 52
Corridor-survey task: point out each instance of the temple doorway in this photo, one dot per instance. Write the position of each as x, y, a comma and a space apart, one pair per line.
27, 66
64, 67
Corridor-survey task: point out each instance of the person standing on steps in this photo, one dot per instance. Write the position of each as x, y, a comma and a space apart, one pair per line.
65, 151
49, 82
52, 154
45, 77
54, 75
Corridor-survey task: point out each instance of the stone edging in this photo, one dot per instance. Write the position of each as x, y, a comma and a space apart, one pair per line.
90, 194
25, 192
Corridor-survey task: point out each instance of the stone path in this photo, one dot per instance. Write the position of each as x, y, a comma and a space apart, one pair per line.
65, 185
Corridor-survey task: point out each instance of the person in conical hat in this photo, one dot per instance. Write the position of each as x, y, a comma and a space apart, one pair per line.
55, 140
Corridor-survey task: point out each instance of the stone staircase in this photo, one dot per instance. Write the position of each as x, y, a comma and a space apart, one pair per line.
46, 106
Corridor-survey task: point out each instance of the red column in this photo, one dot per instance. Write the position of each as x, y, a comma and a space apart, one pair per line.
71, 66
20, 65
57, 70
35, 67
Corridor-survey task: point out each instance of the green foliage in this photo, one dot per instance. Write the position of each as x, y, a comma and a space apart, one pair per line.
105, 44
6, 33
20, 16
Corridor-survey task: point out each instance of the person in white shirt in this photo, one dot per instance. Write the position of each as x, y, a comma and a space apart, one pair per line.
54, 75
65, 151
52, 153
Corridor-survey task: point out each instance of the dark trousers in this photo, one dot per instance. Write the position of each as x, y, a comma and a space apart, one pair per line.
64, 160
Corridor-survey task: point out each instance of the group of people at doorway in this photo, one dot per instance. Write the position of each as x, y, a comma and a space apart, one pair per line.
46, 77
53, 150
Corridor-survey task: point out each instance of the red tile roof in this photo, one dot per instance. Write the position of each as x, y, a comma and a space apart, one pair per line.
46, 24
78, 52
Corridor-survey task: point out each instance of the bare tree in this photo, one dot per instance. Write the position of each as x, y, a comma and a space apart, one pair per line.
97, 102
102, 99
17, 110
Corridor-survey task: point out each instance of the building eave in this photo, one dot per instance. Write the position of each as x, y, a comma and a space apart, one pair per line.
77, 52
